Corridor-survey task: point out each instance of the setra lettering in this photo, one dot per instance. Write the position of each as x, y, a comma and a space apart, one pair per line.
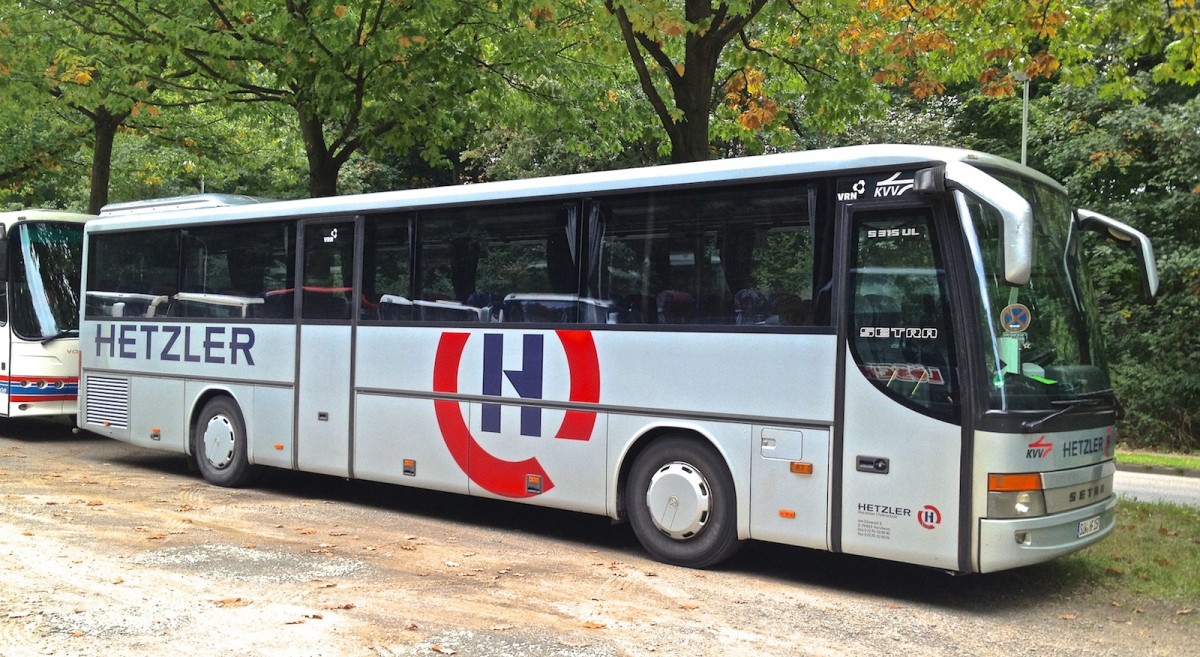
216, 345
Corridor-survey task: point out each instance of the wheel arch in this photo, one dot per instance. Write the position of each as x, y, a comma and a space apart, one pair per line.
198, 404
691, 432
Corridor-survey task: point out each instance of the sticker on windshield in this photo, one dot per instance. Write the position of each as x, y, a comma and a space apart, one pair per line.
1015, 318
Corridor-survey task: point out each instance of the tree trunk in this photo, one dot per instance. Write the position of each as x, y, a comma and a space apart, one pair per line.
104, 126
693, 96
323, 167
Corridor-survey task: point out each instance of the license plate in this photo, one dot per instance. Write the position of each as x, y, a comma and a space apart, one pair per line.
1088, 527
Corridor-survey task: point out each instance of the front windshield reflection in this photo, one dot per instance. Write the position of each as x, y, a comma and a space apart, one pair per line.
45, 279
1041, 339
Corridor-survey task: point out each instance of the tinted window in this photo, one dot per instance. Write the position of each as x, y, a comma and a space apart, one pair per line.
509, 263
900, 330
231, 270
328, 271
132, 274
726, 256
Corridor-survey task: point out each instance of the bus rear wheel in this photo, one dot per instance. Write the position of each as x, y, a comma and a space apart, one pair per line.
681, 503
221, 446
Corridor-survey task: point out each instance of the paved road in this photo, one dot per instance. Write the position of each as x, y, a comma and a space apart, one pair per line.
1148, 487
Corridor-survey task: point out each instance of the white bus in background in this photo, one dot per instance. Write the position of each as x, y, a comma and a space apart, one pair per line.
41, 252
887, 351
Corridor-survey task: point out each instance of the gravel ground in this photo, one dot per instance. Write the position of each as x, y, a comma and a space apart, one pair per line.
106, 549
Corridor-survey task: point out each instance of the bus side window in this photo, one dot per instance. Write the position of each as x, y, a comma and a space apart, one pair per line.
900, 333
740, 255
328, 271
510, 263
230, 271
386, 279
129, 273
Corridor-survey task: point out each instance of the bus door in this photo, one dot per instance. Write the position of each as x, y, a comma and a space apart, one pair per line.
6, 355
324, 358
901, 444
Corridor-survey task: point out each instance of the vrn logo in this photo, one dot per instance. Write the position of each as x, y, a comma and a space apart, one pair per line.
527, 381
855, 191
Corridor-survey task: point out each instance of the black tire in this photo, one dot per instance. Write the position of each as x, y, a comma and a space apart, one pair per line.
694, 519
220, 446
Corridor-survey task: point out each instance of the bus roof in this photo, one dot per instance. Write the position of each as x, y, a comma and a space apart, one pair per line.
33, 214
843, 160
188, 202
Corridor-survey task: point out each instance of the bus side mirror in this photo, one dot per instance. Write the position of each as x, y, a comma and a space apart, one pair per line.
1016, 215
1129, 237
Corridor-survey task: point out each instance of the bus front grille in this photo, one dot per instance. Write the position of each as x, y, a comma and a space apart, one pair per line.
107, 400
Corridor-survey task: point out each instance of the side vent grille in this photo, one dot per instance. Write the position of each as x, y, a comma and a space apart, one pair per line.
107, 401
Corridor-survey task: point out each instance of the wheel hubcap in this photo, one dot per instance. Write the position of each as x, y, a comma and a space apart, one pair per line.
678, 498
219, 441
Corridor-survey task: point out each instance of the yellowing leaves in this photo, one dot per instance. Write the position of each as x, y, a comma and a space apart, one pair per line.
674, 29
746, 92
340, 11
926, 86
408, 41
1046, 23
138, 108
996, 83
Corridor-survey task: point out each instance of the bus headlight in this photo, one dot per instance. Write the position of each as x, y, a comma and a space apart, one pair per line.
1023, 504
1016, 496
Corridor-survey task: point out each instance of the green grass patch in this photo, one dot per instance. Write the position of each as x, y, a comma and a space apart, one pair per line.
1156, 460
1154, 552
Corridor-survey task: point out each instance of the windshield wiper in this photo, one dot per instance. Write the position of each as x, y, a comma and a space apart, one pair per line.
65, 333
1083, 400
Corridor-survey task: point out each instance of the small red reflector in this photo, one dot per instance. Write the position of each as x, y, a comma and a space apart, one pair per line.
279, 447
787, 513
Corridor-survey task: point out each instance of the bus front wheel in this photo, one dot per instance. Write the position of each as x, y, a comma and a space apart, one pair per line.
681, 503
221, 445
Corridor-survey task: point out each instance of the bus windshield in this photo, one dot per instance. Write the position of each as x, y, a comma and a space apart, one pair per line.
45, 279
1041, 341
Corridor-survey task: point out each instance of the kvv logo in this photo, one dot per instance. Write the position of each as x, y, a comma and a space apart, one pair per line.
490, 472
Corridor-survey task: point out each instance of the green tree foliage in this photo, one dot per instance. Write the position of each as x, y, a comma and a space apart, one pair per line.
1140, 163
725, 71
82, 76
745, 69
354, 74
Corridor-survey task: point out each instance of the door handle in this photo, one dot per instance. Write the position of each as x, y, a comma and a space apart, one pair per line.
874, 464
